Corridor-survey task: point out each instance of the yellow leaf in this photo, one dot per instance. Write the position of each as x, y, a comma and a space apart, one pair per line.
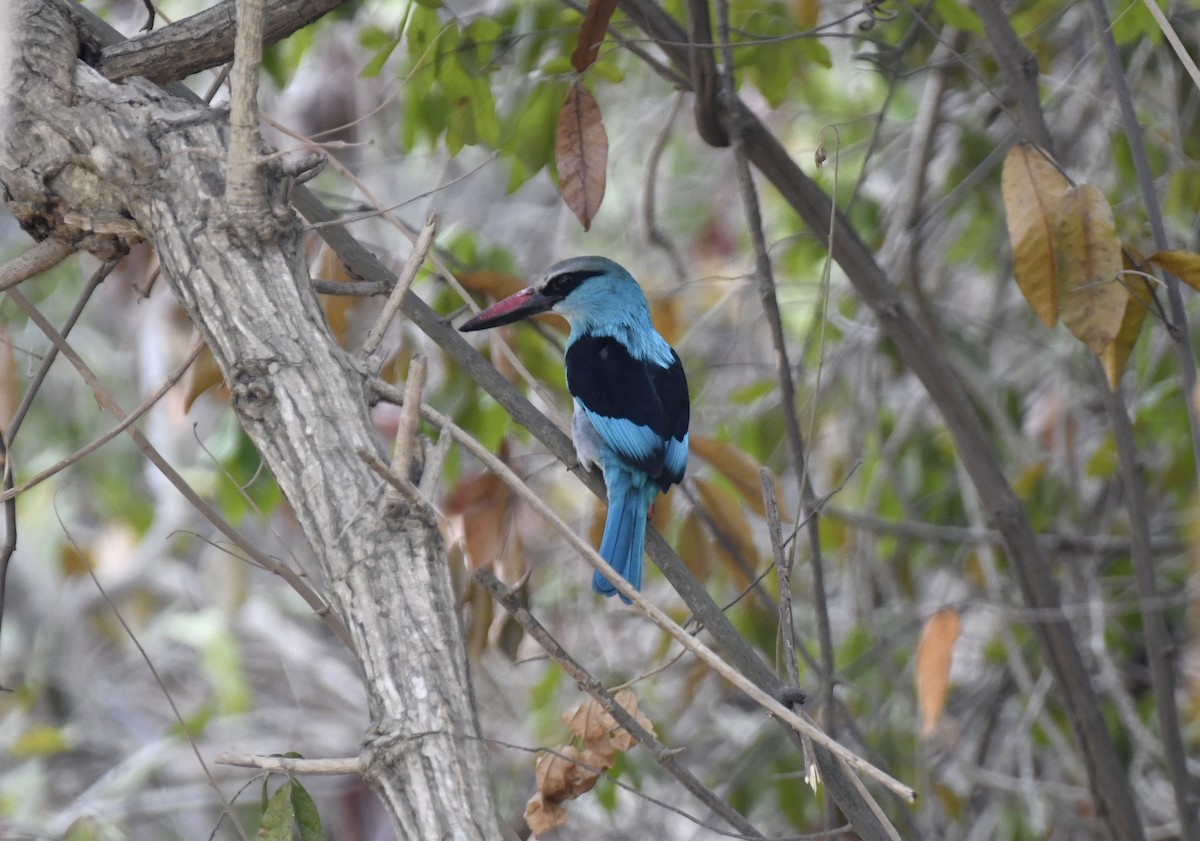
738, 468
934, 653
1185, 265
1117, 353
1033, 189
581, 153
1091, 299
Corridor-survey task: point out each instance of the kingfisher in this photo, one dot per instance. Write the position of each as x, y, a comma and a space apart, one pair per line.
631, 395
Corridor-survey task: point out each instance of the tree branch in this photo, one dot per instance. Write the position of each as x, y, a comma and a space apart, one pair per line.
587, 682
1112, 796
202, 41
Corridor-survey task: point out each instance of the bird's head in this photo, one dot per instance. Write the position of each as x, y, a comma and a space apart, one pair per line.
588, 291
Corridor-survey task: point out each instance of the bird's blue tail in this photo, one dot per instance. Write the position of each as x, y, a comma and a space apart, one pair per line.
624, 538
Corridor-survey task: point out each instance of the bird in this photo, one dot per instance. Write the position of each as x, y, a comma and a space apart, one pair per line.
630, 392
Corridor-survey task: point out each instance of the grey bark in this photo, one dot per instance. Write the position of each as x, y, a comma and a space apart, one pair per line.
99, 164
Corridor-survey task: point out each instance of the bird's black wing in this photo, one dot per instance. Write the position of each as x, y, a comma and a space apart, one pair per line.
621, 399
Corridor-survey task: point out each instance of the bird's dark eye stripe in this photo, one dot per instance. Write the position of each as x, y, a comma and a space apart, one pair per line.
562, 285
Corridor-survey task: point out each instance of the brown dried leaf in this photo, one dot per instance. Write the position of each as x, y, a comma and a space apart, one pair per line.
588, 721
694, 547
200, 377
581, 153
592, 32
485, 506
1033, 189
562, 776
1117, 353
729, 517
491, 283
336, 307
542, 816
1091, 298
1185, 265
599, 731
934, 653
738, 468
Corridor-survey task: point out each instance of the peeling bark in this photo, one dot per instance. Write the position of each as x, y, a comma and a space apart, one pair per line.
101, 165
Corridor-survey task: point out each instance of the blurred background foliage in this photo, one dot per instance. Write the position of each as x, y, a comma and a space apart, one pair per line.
450, 108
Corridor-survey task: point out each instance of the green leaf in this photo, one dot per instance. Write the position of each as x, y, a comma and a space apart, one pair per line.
958, 15
379, 59
305, 809
277, 817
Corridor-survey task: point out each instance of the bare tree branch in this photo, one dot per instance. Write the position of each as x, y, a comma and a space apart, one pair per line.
202, 41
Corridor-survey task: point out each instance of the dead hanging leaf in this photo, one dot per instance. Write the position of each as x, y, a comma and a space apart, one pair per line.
729, 518
738, 468
592, 32
934, 653
1185, 265
599, 731
200, 377
542, 815
484, 507
1033, 189
562, 775
581, 153
1091, 299
328, 266
694, 547
1117, 353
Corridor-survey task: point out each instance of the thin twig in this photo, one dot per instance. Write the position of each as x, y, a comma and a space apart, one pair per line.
33, 261
1086, 544
643, 605
587, 682
292, 765
783, 371
399, 483
106, 401
226, 807
404, 282
410, 419
1154, 626
146, 405
1178, 331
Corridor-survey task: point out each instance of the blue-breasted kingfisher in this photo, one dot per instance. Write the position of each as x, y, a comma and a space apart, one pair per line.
631, 395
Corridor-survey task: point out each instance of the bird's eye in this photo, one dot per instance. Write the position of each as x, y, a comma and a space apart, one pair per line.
562, 285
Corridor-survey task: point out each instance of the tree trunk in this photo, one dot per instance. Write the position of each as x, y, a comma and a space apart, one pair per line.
99, 165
